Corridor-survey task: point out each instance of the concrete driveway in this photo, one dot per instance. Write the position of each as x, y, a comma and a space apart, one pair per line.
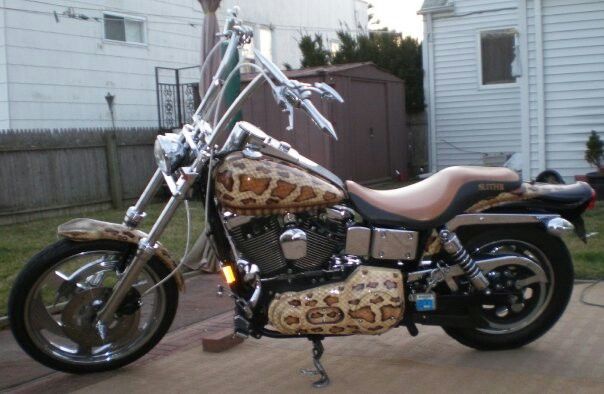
570, 358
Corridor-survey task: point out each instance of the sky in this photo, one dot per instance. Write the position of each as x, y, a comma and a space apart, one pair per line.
399, 15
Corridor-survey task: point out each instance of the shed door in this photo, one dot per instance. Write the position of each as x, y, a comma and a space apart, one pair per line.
369, 131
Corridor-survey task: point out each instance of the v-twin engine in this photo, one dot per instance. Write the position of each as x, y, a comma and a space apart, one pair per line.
258, 240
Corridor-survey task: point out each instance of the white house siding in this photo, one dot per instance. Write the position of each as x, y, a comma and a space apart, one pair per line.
60, 72
470, 119
573, 82
290, 19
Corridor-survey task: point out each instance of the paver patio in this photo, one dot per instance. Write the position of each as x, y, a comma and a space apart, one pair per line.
198, 303
570, 358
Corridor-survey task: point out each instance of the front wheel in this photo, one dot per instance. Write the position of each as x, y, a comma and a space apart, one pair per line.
534, 308
55, 298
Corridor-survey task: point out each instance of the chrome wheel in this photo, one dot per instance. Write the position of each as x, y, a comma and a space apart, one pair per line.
61, 306
528, 299
527, 296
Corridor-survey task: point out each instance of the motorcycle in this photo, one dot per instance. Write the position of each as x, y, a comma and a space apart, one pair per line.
305, 255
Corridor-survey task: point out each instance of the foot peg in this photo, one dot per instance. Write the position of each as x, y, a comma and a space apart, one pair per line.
241, 326
317, 352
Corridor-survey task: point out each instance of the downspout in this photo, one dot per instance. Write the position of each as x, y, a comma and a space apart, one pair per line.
524, 93
540, 85
428, 40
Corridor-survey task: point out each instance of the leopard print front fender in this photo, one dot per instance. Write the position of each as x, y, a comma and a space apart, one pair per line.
92, 230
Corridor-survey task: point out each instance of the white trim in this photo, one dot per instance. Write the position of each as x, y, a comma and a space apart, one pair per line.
524, 93
125, 16
143, 20
128, 43
436, 10
503, 85
540, 85
428, 38
9, 115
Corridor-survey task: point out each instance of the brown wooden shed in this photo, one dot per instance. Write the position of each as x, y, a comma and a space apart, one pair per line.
371, 124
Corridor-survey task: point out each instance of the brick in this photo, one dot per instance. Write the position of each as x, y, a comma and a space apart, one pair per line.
220, 341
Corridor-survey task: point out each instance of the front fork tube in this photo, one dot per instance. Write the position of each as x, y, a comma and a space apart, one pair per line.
147, 246
136, 214
146, 250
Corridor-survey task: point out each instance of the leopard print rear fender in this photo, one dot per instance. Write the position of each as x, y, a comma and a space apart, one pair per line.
527, 191
91, 230
269, 186
369, 301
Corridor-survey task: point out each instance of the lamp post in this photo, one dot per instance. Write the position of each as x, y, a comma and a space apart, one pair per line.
111, 153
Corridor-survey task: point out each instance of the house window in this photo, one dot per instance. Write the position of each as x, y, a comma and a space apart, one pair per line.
265, 36
124, 28
498, 56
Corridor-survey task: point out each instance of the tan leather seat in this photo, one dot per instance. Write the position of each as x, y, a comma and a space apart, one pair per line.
434, 200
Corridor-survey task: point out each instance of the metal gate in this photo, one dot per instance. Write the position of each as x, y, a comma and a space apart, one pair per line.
177, 95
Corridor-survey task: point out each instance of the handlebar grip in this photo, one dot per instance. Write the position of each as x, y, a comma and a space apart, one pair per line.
317, 117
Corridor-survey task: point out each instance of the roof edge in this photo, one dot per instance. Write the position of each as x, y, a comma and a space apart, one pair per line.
318, 70
437, 10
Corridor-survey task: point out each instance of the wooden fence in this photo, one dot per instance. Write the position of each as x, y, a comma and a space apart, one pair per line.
45, 172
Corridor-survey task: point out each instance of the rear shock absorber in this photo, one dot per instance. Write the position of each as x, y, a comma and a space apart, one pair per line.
460, 256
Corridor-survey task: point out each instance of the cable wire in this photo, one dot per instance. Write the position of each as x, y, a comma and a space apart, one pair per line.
584, 293
182, 259
184, 19
461, 149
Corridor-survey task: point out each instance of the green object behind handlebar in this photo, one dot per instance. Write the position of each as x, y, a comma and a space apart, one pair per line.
233, 88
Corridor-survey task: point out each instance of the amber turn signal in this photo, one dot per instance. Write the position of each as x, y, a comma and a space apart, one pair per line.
228, 273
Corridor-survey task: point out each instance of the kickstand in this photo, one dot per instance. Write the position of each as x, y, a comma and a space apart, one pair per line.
317, 352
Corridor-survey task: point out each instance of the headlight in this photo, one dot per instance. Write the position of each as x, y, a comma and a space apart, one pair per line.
169, 152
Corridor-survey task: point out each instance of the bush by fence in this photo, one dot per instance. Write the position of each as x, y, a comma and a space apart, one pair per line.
44, 172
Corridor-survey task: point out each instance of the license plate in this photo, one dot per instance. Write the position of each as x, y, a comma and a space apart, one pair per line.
425, 302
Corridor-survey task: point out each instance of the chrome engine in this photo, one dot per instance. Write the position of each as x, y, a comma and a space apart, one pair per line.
298, 243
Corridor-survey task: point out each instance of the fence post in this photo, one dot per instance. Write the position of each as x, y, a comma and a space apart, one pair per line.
113, 168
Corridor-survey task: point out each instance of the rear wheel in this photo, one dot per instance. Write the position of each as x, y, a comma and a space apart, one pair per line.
534, 306
54, 301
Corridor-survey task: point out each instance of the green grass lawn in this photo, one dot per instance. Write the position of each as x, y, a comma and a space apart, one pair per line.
20, 242
589, 258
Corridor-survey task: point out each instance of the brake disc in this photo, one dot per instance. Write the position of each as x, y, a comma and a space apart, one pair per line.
78, 319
